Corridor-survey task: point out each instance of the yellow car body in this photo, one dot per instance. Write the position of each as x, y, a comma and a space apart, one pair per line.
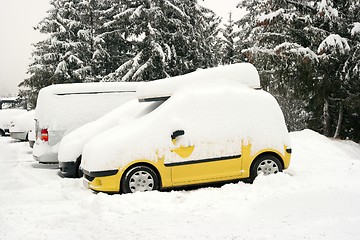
188, 173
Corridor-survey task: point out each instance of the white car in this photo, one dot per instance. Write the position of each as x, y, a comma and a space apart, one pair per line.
6, 116
22, 125
71, 146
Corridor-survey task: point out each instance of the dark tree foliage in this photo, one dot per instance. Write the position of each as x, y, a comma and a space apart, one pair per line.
307, 54
168, 38
121, 40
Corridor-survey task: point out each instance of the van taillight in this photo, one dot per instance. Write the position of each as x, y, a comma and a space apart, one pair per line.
44, 135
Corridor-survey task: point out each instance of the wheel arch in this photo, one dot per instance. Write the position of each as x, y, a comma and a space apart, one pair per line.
274, 154
142, 163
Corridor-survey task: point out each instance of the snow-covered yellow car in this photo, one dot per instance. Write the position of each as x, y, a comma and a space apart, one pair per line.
216, 131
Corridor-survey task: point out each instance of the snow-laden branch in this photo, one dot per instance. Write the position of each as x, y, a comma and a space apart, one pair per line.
175, 8
270, 16
141, 69
356, 29
334, 42
296, 49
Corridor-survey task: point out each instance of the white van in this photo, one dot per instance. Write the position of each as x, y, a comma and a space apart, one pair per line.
64, 107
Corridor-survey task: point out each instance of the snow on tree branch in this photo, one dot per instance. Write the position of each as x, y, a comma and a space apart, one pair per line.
334, 42
268, 18
178, 10
356, 29
296, 49
125, 13
141, 69
326, 10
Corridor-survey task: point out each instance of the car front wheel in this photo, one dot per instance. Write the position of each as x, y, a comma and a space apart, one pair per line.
140, 179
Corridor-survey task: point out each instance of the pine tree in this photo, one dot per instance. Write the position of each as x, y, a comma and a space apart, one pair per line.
168, 38
228, 42
303, 50
120, 40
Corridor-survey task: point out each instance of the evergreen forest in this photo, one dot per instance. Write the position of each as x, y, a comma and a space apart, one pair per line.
307, 52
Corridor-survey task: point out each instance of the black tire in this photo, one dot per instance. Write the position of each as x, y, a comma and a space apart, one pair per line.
267, 164
139, 179
78, 172
2, 133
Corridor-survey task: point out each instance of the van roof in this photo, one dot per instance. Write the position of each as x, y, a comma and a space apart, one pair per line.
244, 73
90, 88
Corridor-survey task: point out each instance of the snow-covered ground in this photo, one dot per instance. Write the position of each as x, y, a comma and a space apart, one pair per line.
318, 197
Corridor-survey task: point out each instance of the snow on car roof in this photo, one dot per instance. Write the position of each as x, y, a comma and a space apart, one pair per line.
97, 87
244, 73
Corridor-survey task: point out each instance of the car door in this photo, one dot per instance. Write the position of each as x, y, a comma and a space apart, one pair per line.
202, 163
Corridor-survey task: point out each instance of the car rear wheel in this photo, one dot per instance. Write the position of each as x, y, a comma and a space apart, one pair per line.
266, 165
140, 179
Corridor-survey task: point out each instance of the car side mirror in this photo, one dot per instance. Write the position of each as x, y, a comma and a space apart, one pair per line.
177, 133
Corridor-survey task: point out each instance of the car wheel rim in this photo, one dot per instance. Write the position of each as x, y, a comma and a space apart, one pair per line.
141, 181
267, 167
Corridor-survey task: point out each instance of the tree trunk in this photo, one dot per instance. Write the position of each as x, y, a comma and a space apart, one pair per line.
326, 118
339, 122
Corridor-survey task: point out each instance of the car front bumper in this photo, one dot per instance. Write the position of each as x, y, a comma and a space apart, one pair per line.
68, 169
103, 181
